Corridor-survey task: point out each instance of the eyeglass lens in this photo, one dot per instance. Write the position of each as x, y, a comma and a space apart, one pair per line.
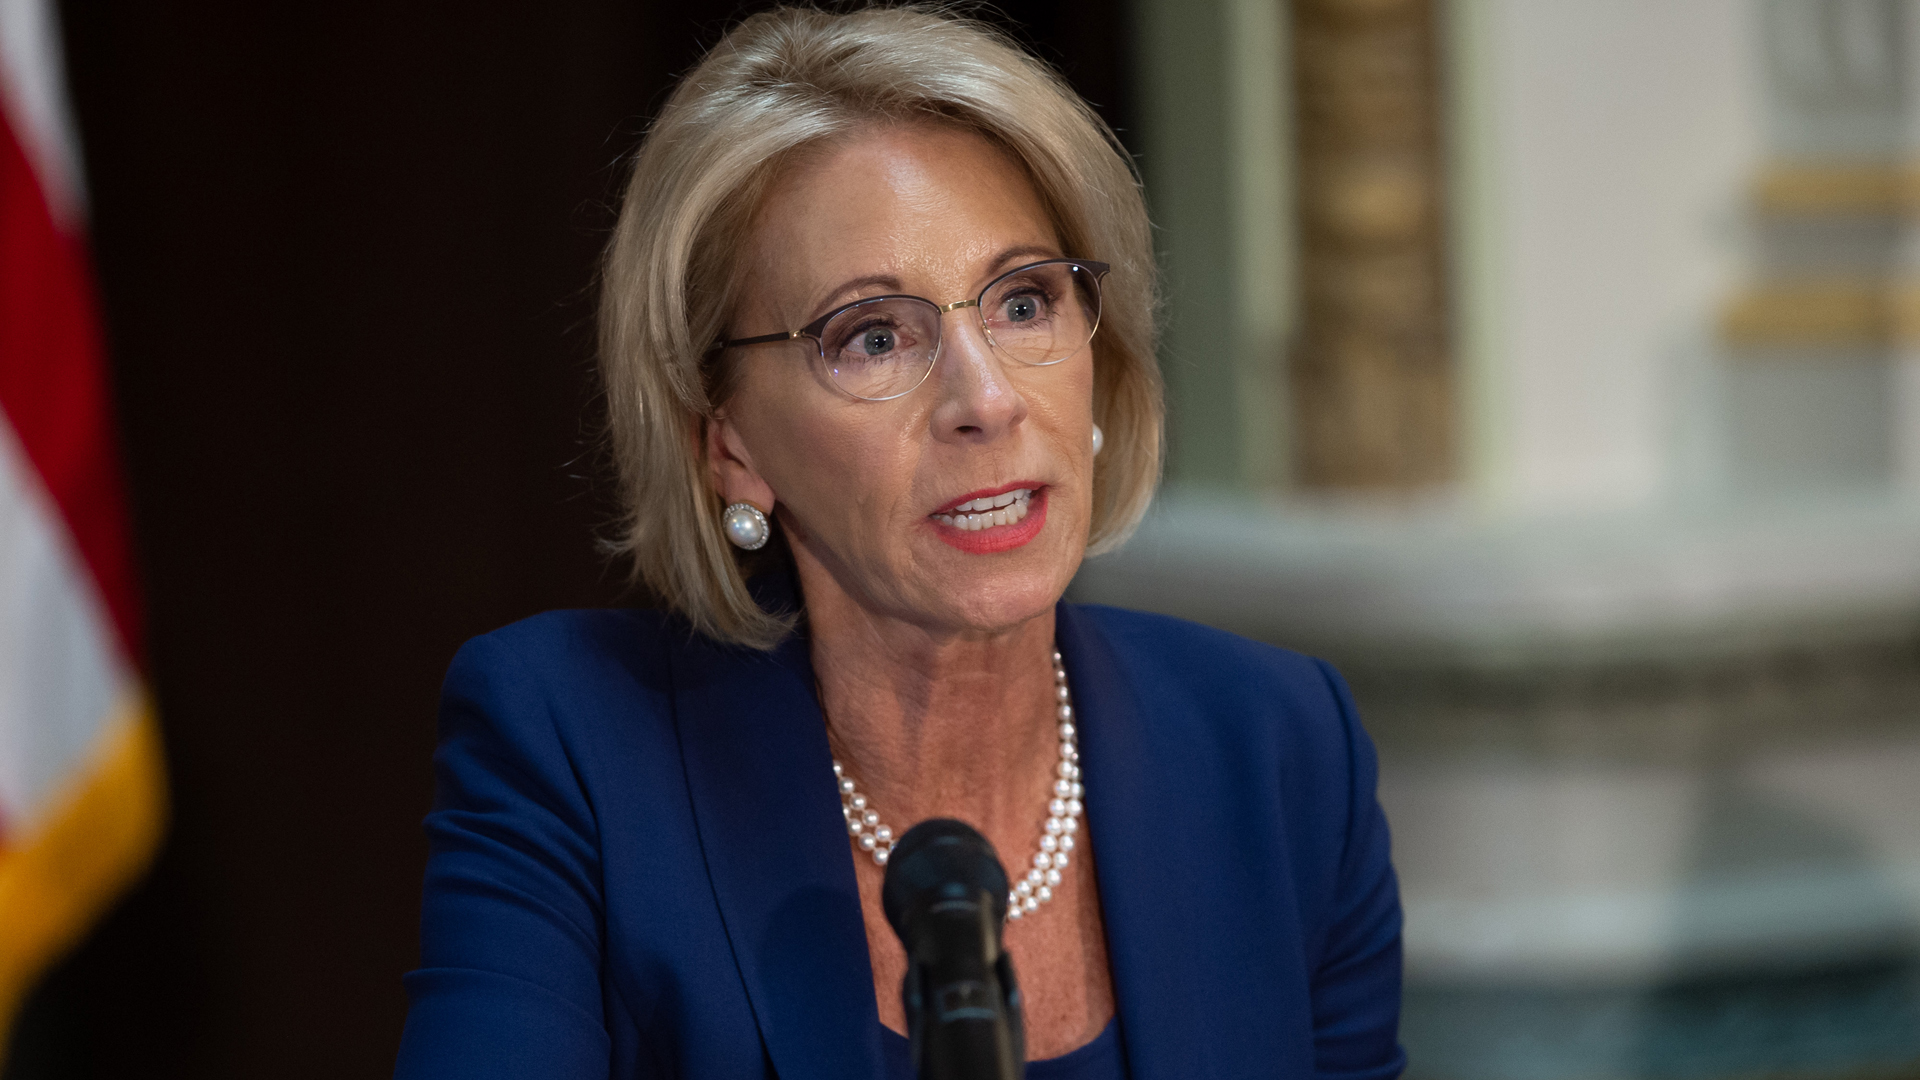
1035, 316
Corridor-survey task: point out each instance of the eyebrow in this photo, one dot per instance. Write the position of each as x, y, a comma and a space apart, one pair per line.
841, 293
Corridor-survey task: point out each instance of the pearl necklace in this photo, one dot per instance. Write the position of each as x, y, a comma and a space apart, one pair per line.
1056, 838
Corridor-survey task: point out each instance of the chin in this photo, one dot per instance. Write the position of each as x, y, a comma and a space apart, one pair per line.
984, 597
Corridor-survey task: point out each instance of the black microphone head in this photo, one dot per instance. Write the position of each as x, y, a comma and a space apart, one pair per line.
940, 859
945, 894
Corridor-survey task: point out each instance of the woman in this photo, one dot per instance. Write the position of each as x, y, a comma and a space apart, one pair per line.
877, 339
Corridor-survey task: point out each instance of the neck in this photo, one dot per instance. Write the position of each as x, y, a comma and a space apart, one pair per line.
933, 722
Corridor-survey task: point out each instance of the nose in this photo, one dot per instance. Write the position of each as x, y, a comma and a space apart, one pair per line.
977, 403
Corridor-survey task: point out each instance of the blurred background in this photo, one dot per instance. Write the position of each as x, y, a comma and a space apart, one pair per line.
1553, 366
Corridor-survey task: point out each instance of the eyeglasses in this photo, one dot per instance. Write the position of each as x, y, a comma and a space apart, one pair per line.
883, 347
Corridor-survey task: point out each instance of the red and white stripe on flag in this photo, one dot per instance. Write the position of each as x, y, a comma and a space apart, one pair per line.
82, 797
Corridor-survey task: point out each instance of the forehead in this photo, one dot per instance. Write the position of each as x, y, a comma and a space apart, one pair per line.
931, 205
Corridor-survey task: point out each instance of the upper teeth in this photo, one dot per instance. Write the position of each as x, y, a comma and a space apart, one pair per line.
991, 502
988, 510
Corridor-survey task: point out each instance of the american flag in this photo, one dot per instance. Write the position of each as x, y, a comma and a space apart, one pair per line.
82, 794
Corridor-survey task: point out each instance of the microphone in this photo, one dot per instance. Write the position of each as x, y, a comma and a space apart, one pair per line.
946, 896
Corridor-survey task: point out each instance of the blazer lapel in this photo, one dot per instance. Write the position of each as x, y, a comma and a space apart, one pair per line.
1189, 1005
768, 815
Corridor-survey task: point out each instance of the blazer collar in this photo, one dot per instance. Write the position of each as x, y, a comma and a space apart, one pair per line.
761, 777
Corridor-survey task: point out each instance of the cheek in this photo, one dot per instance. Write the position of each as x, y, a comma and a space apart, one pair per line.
837, 466
1061, 399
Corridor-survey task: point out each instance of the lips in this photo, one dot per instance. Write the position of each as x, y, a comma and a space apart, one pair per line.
986, 522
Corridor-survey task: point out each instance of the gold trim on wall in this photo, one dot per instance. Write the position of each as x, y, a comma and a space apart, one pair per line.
1788, 189
1824, 314
1862, 310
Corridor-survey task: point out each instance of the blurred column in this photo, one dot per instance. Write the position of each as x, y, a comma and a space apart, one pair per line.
1372, 383
1215, 149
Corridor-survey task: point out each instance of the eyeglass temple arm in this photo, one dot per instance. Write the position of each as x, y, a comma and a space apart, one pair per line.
763, 339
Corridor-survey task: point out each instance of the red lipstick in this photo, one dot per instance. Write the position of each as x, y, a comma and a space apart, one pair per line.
996, 538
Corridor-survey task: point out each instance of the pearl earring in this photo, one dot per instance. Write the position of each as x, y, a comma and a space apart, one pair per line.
1099, 440
746, 526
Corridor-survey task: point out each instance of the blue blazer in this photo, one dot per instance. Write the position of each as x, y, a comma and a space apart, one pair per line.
639, 866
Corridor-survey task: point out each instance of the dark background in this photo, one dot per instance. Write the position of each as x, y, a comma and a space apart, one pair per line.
346, 254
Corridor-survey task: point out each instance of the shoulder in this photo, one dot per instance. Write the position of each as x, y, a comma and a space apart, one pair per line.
562, 681
1250, 701
571, 638
1164, 655
577, 649
1185, 642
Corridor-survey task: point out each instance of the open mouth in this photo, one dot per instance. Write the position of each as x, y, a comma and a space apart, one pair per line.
988, 511
993, 521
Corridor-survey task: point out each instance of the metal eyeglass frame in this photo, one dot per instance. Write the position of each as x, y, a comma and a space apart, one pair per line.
818, 326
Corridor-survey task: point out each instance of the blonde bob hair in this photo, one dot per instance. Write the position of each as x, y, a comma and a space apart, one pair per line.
778, 83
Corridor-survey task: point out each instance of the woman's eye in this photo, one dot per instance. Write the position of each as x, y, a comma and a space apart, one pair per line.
877, 341
1023, 307
874, 339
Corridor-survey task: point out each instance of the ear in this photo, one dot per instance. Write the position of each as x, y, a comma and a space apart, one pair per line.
730, 468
